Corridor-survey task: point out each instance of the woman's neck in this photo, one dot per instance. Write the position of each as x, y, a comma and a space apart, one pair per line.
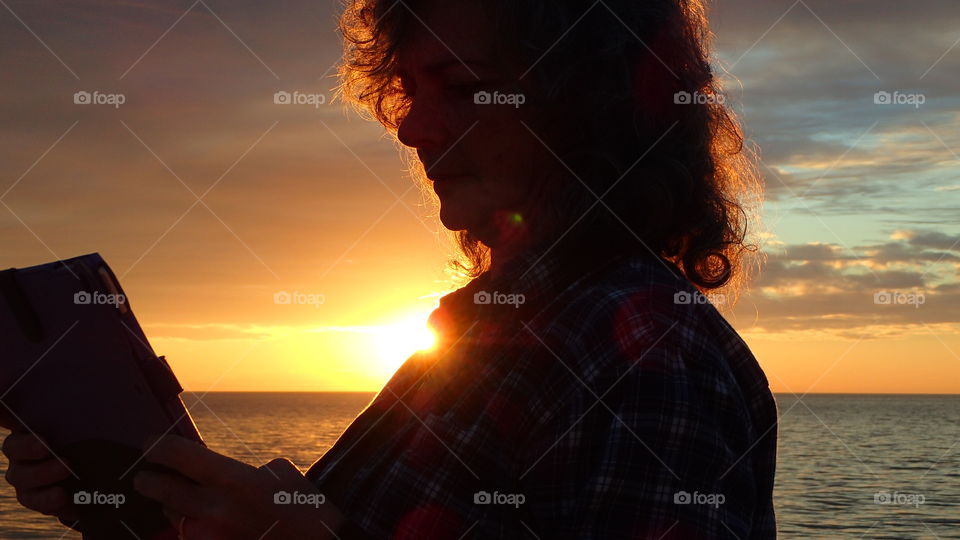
502, 255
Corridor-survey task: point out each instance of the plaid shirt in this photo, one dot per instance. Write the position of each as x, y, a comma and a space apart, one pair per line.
611, 403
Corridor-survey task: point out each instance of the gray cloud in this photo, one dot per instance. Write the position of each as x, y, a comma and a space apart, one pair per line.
830, 287
806, 88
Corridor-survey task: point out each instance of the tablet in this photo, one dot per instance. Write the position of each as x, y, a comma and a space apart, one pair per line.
77, 370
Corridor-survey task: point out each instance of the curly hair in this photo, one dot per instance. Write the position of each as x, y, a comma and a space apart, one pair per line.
637, 115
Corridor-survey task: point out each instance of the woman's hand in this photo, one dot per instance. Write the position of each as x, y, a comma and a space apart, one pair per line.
221, 498
33, 472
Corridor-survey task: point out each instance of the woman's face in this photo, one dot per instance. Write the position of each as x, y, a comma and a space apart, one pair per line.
475, 148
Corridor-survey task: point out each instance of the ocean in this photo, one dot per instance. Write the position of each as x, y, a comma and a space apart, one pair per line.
849, 465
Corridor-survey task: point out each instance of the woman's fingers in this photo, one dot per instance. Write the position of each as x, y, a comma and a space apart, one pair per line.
53, 501
282, 469
201, 512
198, 462
23, 446
179, 495
225, 498
36, 474
32, 469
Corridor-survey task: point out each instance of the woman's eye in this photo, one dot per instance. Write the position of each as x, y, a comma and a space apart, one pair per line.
465, 89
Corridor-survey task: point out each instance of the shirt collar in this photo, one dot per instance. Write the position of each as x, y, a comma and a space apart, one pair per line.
524, 283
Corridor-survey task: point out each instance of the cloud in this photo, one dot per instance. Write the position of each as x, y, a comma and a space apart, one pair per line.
804, 75
896, 286
300, 201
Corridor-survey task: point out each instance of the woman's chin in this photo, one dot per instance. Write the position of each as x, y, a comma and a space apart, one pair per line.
452, 219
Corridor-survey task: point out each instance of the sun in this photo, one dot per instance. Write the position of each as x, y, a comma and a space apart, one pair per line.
397, 341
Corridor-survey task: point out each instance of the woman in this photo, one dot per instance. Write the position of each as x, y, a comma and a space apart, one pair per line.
582, 386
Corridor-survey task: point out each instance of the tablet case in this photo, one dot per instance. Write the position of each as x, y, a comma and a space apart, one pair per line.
77, 370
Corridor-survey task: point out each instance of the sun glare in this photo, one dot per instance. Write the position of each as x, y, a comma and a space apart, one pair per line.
398, 340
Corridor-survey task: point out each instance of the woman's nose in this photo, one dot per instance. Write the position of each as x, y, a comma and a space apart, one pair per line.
422, 127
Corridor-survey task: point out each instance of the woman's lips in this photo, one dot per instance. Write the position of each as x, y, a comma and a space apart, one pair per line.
444, 186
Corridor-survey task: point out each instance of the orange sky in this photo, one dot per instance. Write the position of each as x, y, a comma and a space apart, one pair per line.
861, 199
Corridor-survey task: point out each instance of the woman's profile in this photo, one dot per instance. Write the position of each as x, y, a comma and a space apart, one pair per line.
583, 384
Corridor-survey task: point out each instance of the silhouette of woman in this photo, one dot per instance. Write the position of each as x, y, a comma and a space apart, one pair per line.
584, 385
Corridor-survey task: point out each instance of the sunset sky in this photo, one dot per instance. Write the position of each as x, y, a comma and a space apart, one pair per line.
207, 198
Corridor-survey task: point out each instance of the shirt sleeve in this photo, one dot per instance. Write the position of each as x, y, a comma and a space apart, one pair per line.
650, 447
